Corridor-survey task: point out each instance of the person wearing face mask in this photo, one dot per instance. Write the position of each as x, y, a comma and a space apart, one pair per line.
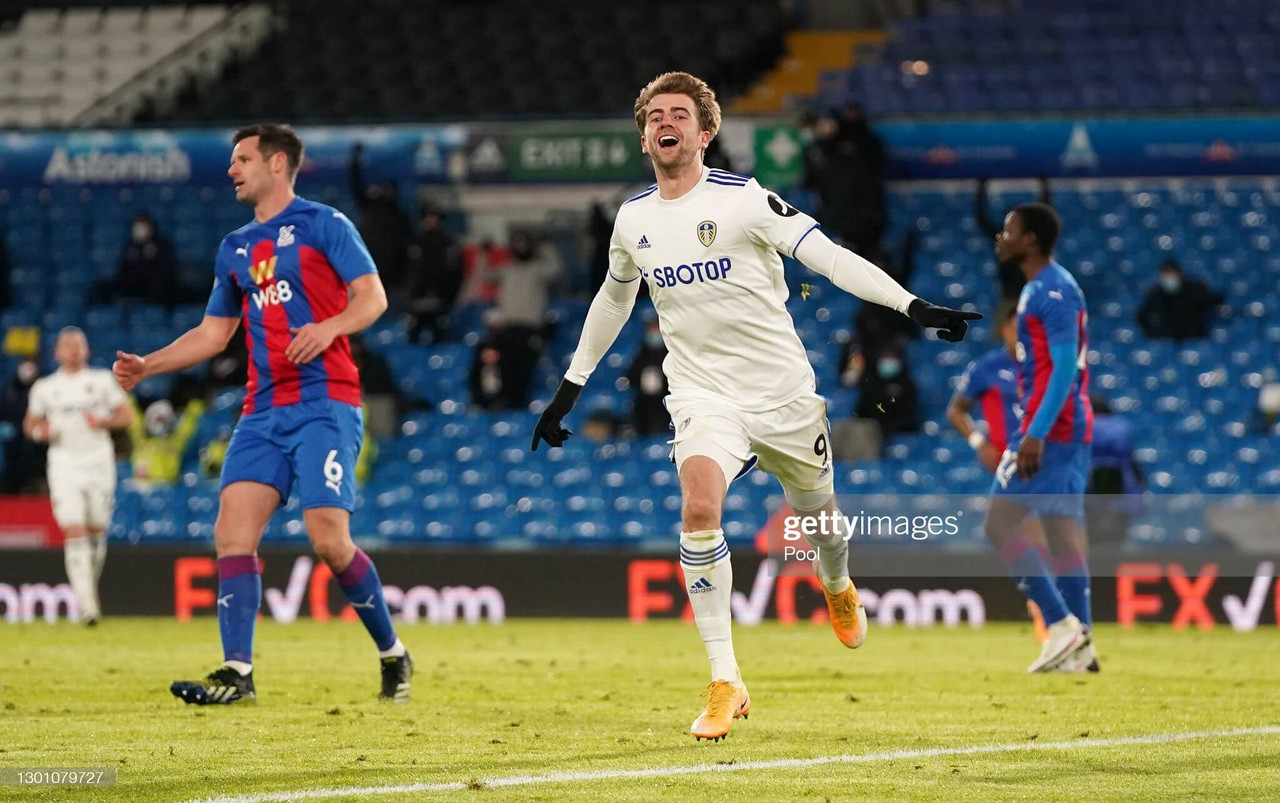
887, 395
147, 270
1177, 308
159, 437
648, 414
23, 459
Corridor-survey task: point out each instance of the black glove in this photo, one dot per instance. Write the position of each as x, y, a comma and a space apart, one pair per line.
548, 428
950, 323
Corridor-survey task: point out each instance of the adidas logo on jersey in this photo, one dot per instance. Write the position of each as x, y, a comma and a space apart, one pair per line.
702, 586
286, 237
644, 242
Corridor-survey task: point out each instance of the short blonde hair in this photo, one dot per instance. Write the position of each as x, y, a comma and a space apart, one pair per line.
682, 83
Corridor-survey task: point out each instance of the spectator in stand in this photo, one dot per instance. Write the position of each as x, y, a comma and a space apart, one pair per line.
648, 413
599, 232
481, 264
1010, 273
147, 270
1177, 308
523, 291
23, 458
876, 327
435, 276
489, 389
828, 165
714, 156
864, 151
159, 439
1115, 478
383, 224
887, 394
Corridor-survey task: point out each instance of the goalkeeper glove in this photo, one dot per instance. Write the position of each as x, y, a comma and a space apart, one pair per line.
950, 323
548, 428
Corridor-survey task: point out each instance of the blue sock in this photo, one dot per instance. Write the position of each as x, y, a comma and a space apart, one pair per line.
239, 596
1073, 584
363, 588
1028, 569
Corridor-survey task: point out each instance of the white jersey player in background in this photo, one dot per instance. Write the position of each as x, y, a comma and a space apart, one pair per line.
707, 242
73, 410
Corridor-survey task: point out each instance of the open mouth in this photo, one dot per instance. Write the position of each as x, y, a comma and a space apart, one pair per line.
667, 141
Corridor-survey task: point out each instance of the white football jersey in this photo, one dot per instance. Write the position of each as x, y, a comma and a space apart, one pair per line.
63, 399
711, 260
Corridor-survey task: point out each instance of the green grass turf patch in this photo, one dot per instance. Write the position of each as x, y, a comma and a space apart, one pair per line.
546, 697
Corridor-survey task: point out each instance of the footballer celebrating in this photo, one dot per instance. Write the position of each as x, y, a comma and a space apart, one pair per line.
1046, 464
74, 411
301, 279
742, 391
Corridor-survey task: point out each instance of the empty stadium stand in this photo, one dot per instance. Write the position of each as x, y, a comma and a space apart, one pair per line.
57, 64
1053, 56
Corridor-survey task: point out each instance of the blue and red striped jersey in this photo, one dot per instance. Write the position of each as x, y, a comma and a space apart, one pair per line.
991, 383
1051, 311
288, 271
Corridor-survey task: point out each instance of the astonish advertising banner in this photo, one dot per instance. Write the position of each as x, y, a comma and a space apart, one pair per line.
608, 150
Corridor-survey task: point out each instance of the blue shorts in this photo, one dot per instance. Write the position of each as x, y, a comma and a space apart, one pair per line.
1057, 489
316, 442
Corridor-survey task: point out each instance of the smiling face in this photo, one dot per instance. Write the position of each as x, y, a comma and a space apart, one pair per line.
673, 137
254, 175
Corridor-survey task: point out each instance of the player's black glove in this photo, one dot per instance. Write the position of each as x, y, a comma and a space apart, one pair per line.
950, 323
548, 428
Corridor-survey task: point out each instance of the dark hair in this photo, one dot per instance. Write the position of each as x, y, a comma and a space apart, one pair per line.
1041, 221
275, 138
1171, 264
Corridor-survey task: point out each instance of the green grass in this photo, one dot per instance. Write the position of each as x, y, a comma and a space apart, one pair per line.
552, 696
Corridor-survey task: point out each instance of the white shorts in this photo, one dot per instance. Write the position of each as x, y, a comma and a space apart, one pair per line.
83, 498
793, 443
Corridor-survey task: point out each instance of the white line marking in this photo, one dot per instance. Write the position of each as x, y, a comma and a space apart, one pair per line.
781, 763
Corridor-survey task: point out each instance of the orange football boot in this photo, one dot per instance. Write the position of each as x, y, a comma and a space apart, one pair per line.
725, 702
848, 617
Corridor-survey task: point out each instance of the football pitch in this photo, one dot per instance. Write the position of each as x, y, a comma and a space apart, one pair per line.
555, 709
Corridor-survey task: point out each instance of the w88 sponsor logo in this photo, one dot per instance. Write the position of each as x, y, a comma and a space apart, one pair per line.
278, 292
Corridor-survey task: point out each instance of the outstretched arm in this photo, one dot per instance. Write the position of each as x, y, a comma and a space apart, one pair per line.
855, 275
608, 312
195, 346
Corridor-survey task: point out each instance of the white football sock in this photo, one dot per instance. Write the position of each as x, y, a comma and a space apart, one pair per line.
833, 555
708, 579
239, 666
77, 554
99, 554
394, 651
